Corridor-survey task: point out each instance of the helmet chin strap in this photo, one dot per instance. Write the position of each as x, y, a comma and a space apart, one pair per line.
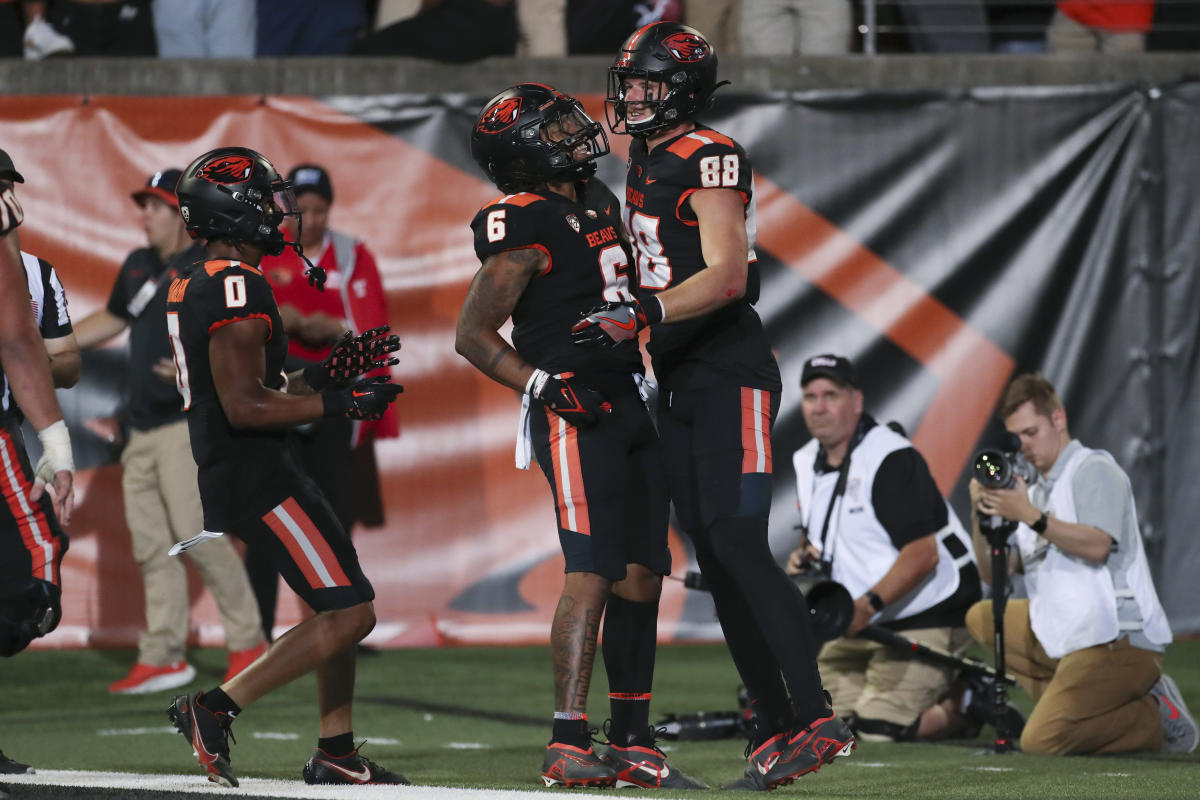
316, 275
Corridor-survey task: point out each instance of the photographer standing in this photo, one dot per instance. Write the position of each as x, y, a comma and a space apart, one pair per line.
1088, 643
875, 522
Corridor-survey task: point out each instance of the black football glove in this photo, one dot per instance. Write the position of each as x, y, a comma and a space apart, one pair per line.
353, 356
367, 399
576, 404
611, 323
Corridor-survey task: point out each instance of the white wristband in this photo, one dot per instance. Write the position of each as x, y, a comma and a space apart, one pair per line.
662, 309
536, 382
56, 452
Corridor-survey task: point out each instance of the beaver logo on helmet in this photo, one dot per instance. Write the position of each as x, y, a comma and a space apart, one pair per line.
686, 48
501, 116
226, 169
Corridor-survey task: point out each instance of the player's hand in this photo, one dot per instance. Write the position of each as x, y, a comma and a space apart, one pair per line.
576, 404
55, 471
610, 324
367, 399
354, 356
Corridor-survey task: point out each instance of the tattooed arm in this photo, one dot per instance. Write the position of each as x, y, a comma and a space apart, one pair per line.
490, 301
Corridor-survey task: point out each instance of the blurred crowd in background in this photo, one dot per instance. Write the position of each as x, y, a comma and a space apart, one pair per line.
460, 31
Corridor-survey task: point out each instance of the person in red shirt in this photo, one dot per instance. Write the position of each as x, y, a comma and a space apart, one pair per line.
353, 300
1104, 26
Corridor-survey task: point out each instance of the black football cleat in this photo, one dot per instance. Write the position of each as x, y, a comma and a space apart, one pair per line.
208, 732
348, 769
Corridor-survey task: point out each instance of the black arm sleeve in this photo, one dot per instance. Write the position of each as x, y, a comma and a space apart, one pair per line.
906, 499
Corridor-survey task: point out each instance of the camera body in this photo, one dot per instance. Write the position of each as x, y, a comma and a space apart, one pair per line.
997, 468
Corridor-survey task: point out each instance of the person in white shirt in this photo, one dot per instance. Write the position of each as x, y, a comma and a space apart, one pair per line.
1088, 643
876, 523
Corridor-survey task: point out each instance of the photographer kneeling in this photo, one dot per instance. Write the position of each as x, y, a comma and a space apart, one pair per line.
1088, 643
875, 522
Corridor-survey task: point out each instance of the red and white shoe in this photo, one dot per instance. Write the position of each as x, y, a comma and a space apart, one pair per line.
240, 659
144, 678
572, 766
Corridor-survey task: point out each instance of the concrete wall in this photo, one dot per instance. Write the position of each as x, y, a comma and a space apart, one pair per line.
317, 76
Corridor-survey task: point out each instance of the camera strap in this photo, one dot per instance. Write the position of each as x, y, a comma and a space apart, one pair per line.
839, 489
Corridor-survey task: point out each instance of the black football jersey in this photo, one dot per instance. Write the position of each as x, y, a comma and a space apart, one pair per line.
234, 464
589, 263
729, 343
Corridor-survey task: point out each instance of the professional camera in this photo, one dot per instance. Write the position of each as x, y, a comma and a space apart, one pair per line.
999, 468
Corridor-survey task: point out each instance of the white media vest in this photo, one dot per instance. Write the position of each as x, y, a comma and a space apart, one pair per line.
860, 547
1073, 603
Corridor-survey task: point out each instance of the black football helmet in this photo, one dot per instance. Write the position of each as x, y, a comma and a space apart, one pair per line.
667, 53
236, 194
531, 134
27, 611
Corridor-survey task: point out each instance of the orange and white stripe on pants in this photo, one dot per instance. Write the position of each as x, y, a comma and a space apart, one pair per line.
756, 430
306, 545
568, 474
31, 522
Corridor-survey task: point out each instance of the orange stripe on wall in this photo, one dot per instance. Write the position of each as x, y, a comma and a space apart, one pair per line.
972, 369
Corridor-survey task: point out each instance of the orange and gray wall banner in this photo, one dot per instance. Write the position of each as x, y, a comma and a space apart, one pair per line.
945, 241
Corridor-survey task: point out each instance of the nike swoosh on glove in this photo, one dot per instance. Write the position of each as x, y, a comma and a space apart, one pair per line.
367, 399
610, 324
577, 404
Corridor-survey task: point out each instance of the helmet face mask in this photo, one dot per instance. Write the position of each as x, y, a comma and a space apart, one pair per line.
235, 194
531, 134
672, 71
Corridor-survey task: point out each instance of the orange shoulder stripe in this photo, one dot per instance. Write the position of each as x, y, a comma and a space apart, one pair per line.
686, 146
520, 199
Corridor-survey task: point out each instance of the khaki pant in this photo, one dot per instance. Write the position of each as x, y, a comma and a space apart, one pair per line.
162, 507
1065, 35
791, 27
877, 682
1090, 701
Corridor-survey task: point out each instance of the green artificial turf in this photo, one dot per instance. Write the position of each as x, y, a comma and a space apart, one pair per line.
480, 717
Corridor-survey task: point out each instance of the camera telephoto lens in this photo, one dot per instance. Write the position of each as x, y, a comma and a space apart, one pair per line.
992, 469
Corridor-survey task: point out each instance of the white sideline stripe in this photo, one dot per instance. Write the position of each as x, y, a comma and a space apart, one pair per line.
467, 746
278, 735
195, 784
136, 731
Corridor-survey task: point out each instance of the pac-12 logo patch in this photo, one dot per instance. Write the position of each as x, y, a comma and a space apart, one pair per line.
686, 48
573, 221
500, 115
227, 169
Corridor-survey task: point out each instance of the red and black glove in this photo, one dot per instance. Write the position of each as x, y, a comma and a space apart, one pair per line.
367, 399
576, 404
354, 356
610, 324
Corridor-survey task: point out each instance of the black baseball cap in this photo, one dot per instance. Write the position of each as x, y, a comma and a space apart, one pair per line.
7, 171
836, 368
311, 178
161, 185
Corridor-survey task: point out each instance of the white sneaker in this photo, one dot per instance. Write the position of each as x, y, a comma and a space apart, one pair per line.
42, 40
1180, 731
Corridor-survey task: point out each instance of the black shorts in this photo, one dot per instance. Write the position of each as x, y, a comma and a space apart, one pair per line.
309, 546
607, 482
31, 542
716, 444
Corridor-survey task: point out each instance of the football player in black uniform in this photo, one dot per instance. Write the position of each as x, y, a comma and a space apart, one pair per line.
690, 212
31, 542
551, 247
229, 349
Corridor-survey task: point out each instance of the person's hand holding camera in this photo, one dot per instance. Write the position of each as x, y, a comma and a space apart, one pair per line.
802, 559
1011, 504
